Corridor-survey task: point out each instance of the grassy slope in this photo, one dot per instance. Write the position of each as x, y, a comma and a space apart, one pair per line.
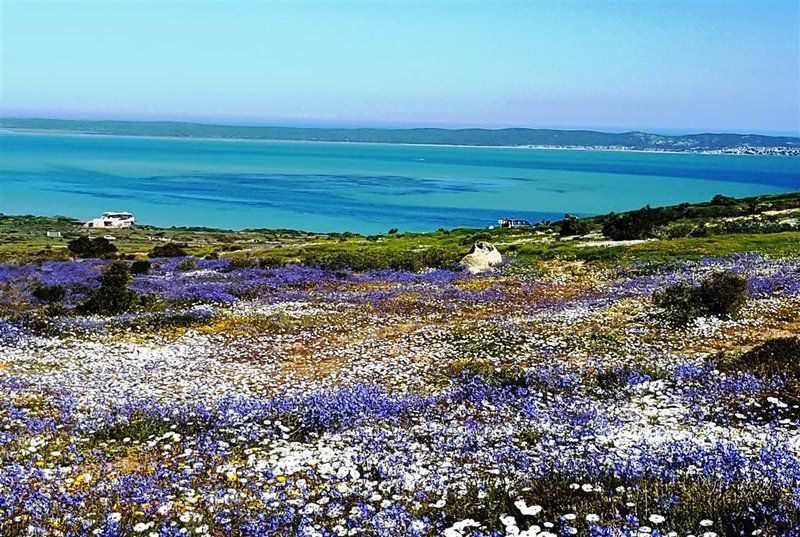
23, 238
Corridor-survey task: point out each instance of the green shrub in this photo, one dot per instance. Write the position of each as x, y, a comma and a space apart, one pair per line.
140, 266
271, 261
170, 249
83, 246
722, 295
572, 225
165, 319
438, 257
680, 302
719, 199
638, 224
186, 265
778, 356
50, 294
242, 262
114, 294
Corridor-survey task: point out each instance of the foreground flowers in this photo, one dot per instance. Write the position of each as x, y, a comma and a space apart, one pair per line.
298, 402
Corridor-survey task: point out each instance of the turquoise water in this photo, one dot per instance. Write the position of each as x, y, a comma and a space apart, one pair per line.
355, 187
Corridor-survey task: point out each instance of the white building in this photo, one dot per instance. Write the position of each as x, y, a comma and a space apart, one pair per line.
112, 220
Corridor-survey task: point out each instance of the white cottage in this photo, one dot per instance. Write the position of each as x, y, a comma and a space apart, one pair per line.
112, 220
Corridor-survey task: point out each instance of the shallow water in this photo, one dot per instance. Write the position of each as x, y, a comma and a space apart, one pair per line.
355, 187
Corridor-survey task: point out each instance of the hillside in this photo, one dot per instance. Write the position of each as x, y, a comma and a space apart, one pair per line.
514, 137
585, 386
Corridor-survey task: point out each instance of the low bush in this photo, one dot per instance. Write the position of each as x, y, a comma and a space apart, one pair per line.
271, 261
49, 294
140, 266
572, 225
719, 199
186, 265
83, 246
167, 319
242, 263
638, 224
778, 356
170, 249
114, 294
722, 295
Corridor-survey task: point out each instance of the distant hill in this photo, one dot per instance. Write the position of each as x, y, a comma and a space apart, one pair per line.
705, 142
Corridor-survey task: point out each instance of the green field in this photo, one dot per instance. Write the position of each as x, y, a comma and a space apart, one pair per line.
763, 224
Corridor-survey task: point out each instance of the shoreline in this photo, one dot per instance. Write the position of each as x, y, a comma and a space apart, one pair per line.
51, 132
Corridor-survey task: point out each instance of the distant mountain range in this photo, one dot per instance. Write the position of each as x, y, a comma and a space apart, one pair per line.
545, 138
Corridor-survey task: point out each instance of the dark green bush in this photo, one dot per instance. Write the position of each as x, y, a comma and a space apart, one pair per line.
140, 266
271, 261
722, 295
165, 319
638, 224
83, 246
681, 302
778, 356
186, 265
719, 199
438, 257
114, 294
50, 294
170, 249
242, 262
572, 225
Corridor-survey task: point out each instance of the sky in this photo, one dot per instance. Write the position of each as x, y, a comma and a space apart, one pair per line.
662, 66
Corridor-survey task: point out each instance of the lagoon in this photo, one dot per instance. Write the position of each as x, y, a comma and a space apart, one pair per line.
366, 188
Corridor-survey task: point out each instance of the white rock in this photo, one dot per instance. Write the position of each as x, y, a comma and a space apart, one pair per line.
482, 257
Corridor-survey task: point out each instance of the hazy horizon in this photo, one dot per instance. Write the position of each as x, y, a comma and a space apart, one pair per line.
399, 126
671, 68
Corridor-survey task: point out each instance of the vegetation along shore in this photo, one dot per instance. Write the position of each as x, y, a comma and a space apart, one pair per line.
730, 143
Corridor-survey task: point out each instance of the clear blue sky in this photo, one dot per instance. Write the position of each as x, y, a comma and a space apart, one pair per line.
659, 65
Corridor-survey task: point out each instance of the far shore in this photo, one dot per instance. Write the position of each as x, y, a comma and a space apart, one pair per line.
7, 130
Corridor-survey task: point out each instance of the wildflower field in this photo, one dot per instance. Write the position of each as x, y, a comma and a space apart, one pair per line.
549, 399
